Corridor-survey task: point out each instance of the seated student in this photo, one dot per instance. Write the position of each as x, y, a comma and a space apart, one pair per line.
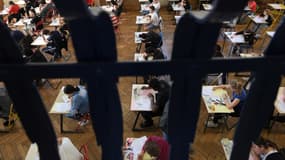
162, 96
186, 5
156, 5
236, 103
79, 102
152, 53
55, 43
154, 19
267, 16
36, 20
152, 38
17, 35
48, 10
265, 149
118, 4
13, 12
155, 148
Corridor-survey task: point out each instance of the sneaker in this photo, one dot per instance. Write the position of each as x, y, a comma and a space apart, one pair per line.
83, 123
146, 124
211, 124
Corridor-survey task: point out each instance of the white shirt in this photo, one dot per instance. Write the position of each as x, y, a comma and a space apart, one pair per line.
156, 6
154, 18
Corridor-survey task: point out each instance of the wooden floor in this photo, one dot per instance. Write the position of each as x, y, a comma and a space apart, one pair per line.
14, 145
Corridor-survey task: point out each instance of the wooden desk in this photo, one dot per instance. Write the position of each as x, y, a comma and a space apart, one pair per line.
277, 6
140, 20
4, 12
133, 147
258, 21
215, 102
139, 57
207, 7
143, 1
227, 147
40, 41
61, 106
138, 41
270, 33
67, 151
140, 100
234, 39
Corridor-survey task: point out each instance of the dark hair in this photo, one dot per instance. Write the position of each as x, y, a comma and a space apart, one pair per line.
262, 142
11, 3
152, 148
152, 8
68, 89
154, 83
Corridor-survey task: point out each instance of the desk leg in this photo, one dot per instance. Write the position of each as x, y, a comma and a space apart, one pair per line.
135, 123
65, 131
138, 48
61, 123
206, 124
139, 27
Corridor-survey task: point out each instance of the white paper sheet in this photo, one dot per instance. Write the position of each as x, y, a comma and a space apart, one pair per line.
61, 108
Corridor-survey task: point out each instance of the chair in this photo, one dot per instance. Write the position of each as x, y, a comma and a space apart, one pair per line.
10, 122
84, 150
137, 117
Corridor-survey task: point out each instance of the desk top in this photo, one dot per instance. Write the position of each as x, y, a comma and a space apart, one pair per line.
177, 7
20, 2
4, 12
235, 38
258, 19
227, 147
61, 104
143, 1
280, 100
250, 55
55, 22
277, 6
67, 151
40, 41
270, 33
207, 7
138, 39
145, 7
215, 100
140, 101
138, 57
142, 20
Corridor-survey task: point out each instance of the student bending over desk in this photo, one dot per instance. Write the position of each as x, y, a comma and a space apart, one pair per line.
79, 102
238, 98
159, 101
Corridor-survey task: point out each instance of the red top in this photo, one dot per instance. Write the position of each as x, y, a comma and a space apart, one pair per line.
14, 9
163, 145
90, 2
252, 5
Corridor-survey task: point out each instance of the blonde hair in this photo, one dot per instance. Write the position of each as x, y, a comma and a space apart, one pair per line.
236, 85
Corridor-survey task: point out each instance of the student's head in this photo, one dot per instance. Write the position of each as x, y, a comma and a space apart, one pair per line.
11, 3
70, 89
262, 145
154, 84
236, 86
151, 151
152, 9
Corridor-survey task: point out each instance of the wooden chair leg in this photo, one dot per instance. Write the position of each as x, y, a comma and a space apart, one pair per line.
136, 120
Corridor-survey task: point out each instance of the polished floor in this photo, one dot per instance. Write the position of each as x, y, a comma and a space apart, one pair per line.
15, 144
